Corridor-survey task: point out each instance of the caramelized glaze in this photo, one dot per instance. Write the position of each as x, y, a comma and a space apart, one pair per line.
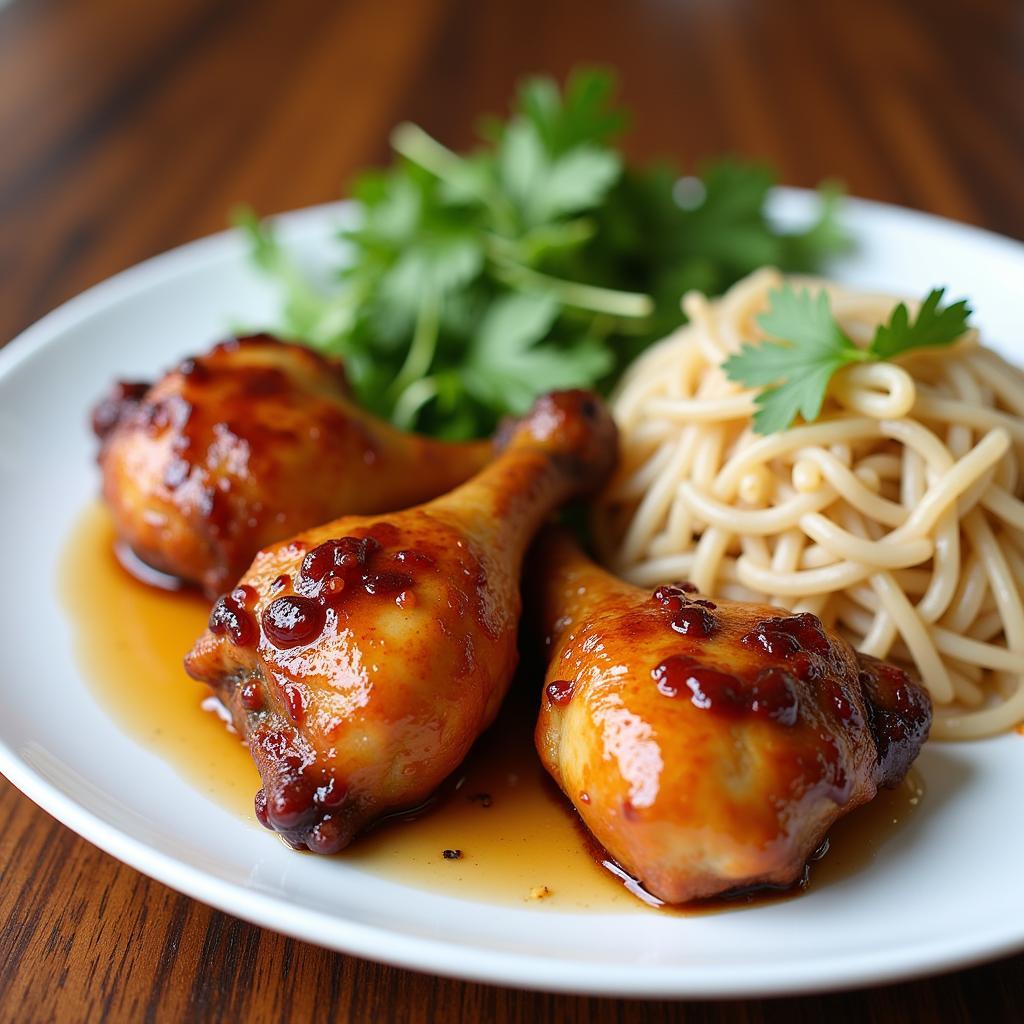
249, 443
717, 742
520, 842
369, 702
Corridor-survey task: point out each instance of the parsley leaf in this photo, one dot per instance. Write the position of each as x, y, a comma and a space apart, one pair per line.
804, 321
472, 282
508, 355
543, 188
933, 326
584, 115
794, 370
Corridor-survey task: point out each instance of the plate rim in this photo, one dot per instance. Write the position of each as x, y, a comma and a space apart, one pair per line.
430, 953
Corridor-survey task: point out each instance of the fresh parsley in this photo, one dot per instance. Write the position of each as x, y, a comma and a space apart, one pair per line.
473, 282
793, 370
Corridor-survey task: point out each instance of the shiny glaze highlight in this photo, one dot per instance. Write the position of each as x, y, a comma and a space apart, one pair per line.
250, 443
710, 759
381, 647
516, 831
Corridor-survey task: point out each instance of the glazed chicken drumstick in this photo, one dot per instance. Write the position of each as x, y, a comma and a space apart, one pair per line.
709, 745
361, 659
248, 444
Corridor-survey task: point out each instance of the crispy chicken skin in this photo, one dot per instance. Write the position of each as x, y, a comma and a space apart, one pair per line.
709, 745
361, 659
248, 444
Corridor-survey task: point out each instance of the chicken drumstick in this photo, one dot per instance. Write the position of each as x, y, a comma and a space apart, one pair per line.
248, 444
709, 745
361, 659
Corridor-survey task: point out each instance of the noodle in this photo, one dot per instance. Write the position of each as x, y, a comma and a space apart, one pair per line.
898, 516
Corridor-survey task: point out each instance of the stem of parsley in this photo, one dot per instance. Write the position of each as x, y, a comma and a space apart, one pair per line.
424, 344
806, 347
502, 236
412, 142
417, 146
573, 293
412, 399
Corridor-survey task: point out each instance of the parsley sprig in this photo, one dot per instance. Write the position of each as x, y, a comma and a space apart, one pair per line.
794, 370
473, 282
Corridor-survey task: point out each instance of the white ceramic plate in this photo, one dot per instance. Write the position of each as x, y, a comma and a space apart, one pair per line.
948, 890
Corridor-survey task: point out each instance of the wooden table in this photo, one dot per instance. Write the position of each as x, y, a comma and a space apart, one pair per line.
131, 127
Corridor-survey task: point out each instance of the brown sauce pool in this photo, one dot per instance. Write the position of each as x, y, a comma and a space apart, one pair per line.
519, 841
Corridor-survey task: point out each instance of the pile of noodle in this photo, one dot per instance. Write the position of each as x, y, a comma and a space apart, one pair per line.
897, 516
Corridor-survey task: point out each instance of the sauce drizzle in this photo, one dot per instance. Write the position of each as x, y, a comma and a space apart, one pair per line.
519, 841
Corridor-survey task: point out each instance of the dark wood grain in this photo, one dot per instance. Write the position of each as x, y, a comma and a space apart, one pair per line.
128, 128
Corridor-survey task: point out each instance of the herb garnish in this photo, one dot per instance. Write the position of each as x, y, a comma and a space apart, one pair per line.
794, 370
474, 282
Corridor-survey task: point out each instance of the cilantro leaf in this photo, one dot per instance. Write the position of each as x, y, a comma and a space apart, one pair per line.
472, 282
794, 371
522, 163
543, 189
308, 313
508, 355
778, 406
933, 326
435, 264
805, 322
577, 181
584, 115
